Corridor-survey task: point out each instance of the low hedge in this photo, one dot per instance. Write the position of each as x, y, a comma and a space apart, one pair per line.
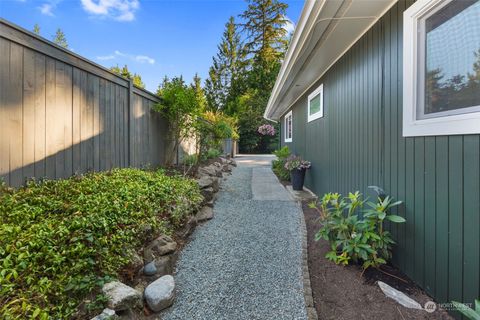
61, 240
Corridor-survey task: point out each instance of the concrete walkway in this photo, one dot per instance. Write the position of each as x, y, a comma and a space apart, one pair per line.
246, 263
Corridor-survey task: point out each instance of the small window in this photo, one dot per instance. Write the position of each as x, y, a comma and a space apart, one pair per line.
442, 68
315, 104
288, 127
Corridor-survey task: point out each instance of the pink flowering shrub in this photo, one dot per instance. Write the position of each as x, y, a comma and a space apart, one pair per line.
266, 130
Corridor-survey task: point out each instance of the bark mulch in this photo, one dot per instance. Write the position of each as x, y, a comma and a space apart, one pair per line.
344, 293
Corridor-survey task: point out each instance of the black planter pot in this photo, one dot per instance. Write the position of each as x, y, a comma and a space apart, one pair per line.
297, 177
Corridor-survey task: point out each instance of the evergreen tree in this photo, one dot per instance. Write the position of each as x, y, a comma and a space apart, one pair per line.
264, 26
223, 83
36, 29
199, 92
124, 72
60, 39
266, 43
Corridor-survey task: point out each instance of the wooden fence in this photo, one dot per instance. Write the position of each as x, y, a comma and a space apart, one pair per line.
61, 114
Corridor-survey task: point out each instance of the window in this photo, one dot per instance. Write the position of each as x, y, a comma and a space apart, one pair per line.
441, 68
288, 127
315, 104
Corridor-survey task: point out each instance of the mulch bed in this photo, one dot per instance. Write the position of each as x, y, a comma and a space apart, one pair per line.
344, 293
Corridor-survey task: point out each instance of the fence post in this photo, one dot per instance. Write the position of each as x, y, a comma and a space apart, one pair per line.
130, 123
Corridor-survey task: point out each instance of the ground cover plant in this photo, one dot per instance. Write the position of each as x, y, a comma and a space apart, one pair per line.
61, 240
354, 228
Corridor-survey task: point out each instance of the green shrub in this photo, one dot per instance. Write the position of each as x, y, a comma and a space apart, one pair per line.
282, 153
278, 165
213, 153
61, 240
356, 233
190, 160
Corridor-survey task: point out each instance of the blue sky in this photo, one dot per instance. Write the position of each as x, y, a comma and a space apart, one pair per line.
154, 38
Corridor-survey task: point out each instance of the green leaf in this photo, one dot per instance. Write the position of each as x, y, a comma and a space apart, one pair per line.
466, 311
36, 313
395, 218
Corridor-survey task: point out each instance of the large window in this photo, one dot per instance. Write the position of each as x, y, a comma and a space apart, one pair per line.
315, 104
288, 127
442, 68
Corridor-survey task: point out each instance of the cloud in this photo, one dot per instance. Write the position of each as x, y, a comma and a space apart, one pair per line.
289, 26
120, 10
110, 57
143, 59
136, 58
47, 9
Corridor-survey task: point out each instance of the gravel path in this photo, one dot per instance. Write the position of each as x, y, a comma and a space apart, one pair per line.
246, 262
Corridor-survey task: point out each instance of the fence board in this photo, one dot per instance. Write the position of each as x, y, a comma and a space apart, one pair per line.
28, 115
50, 123
76, 120
68, 116
61, 114
40, 128
58, 120
4, 101
16, 117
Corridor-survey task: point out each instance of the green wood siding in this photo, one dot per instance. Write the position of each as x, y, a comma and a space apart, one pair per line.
359, 143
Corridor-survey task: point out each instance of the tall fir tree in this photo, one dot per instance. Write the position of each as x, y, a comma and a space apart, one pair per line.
266, 40
224, 82
60, 39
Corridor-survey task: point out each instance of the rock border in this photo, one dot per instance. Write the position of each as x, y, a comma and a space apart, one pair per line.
307, 288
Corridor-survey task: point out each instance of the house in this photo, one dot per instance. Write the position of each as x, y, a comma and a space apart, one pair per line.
387, 93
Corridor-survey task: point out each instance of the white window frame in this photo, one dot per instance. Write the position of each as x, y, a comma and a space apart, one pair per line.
286, 138
443, 123
319, 114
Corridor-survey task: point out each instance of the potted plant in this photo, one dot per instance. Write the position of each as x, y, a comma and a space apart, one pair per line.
297, 167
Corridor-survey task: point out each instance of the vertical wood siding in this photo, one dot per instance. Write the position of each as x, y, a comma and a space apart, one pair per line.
60, 115
359, 143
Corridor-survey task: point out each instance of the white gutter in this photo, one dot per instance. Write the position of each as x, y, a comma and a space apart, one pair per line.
323, 54
293, 49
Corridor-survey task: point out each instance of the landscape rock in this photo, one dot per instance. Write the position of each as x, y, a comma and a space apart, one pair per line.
188, 228
207, 181
218, 170
399, 296
205, 214
164, 265
210, 203
223, 160
107, 314
213, 170
207, 171
150, 269
121, 297
160, 294
159, 247
207, 193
